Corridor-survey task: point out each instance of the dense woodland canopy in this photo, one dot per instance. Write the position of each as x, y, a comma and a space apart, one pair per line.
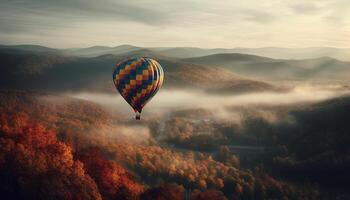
67, 144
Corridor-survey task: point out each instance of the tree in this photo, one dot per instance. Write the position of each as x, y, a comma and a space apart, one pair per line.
35, 165
165, 192
112, 179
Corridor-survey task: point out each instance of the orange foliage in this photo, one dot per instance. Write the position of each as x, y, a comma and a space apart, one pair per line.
34, 164
183, 168
165, 192
112, 179
209, 194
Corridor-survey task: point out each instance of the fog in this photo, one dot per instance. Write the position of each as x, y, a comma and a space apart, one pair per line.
169, 100
126, 132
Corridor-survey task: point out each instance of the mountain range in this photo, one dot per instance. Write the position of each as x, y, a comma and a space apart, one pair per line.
268, 68
187, 52
38, 67
57, 72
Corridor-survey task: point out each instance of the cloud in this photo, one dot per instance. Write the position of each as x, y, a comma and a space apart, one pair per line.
169, 100
82, 10
306, 8
257, 16
200, 23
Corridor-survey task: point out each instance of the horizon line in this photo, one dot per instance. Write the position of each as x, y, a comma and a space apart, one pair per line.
264, 47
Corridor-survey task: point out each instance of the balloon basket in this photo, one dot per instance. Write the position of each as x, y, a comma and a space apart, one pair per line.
138, 116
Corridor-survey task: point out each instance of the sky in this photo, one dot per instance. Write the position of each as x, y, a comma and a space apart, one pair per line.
165, 23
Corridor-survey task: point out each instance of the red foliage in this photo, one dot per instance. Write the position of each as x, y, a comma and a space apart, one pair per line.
112, 179
209, 194
164, 192
35, 165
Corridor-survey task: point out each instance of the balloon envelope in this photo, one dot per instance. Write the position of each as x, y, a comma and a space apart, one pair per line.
138, 80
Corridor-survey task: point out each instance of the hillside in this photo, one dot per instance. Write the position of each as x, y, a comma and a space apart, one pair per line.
30, 67
188, 52
29, 48
301, 143
64, 131
312, 149
100, 50
267, 68
271, 52
41, 71
297, 53
44, 141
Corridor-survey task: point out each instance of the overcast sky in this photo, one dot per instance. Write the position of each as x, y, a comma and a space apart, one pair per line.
197, 23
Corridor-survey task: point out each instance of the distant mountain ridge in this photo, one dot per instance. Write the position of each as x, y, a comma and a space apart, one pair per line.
30, 48
187, 52
32, 66
57, 72
267, 68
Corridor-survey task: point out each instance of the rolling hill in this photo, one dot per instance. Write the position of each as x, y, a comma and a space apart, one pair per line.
271, 52
29, 48
52, 130
56, 72
100, 50
268, 68
29, 66
188, 52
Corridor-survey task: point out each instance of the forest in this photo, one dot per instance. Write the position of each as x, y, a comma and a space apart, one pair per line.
65, 150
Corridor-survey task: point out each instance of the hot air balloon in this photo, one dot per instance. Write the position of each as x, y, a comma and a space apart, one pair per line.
138, 79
